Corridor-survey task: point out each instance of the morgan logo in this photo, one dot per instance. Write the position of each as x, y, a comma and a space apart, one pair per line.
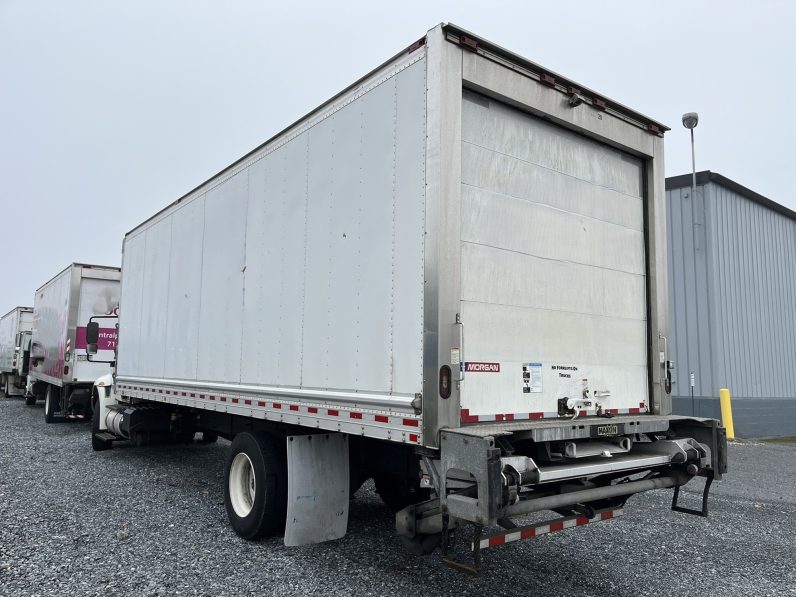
482, 367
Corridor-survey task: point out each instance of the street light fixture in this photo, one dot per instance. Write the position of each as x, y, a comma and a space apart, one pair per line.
690, 120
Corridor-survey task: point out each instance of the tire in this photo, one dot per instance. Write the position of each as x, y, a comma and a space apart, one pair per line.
398, 492
97, 444
4, 381
208, 437
52, 403
30, 399
255, 486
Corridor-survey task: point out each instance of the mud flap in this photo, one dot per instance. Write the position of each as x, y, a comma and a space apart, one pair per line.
318, 488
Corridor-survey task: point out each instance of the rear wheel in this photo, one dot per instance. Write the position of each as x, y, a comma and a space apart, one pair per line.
208, 437
30, 399
52, 403
255, 489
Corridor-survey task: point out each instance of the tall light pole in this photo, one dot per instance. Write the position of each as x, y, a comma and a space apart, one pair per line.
690, 120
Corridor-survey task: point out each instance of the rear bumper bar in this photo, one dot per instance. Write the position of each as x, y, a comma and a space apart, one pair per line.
687, 447
544, 528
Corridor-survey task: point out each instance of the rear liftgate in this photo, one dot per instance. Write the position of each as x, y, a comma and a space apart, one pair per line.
481, 483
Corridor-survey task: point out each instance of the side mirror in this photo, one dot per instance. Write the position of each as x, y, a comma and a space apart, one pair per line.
92, 334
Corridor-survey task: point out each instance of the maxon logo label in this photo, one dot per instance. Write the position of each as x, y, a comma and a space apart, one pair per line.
482, 367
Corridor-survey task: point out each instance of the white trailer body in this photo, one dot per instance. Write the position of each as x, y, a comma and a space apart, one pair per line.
15, 326
62, 309
460, 247
308, 272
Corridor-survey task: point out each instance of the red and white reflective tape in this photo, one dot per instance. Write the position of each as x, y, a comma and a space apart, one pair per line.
466, 417
407, 424
545, 528
642, 408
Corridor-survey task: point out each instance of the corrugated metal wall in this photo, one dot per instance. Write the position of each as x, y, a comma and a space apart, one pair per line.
689, 292
732, 275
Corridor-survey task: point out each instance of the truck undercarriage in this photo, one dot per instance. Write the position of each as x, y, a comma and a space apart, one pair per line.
477, 484
584, 470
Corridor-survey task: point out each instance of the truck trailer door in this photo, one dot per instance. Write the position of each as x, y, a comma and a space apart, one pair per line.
553, 270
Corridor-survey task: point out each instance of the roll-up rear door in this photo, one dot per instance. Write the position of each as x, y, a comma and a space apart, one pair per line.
553, 270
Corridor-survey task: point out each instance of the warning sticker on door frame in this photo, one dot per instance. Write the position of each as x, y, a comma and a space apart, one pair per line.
532, 378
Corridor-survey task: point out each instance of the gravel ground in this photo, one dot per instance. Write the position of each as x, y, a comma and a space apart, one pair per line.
151, 521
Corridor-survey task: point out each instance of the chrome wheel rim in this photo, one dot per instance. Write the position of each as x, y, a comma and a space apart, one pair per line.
242, 485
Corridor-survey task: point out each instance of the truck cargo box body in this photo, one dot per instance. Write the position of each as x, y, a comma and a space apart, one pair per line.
459, 207
14, 323
62, 309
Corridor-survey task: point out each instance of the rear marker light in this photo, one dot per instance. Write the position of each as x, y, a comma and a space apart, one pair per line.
468, 42
548, 80
445, 382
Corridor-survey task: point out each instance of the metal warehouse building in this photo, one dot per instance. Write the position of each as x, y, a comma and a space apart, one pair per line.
732, 280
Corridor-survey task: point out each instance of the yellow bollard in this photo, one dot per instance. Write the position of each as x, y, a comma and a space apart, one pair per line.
726, 412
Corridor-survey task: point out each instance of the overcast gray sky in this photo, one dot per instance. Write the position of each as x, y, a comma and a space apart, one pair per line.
111, 110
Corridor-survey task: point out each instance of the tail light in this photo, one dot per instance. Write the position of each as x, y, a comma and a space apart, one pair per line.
445, 381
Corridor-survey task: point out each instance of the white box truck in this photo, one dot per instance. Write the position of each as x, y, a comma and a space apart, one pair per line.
60, 371
15, 330
449, 278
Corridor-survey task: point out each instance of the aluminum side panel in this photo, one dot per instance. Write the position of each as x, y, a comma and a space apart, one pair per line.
132, 349
364, 241
375, 273
181, 342
274, 278
223, 266
333, 251
409, 237
155, 281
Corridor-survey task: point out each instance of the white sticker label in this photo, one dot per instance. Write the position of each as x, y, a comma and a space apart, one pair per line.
455, 358
532, 378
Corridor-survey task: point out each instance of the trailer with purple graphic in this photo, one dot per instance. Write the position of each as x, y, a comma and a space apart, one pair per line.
450, 278
61, 373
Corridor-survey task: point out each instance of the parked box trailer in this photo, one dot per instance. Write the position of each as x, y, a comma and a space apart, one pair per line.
60, 370
450, 278
15, 329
